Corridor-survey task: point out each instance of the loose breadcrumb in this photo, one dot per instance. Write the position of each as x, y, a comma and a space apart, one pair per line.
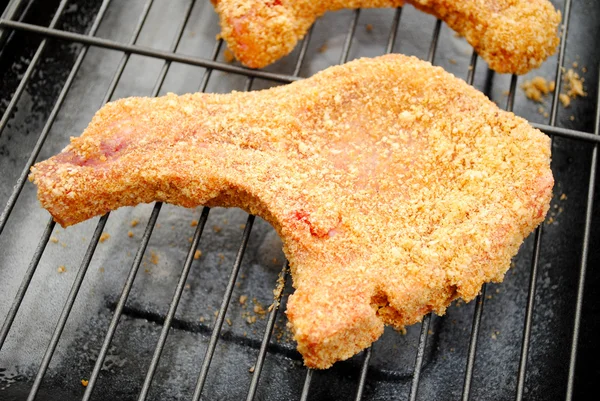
61, 269
563, 197
228, 56
134, 222
154, 257
251, 370
369, 27
574, 84
243, 299
217, 229
229, 322
104, 237
54, 240
536, 88
130, 234
564, 99
451, 61
194, 223
197, 254
101, 269
84, 382
323, 48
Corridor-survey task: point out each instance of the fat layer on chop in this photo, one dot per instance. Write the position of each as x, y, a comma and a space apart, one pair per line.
394, 186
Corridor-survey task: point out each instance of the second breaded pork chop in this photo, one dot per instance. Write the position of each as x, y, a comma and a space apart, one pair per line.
513, 36
394, 186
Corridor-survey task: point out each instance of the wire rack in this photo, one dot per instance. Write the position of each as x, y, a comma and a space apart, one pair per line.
9, 23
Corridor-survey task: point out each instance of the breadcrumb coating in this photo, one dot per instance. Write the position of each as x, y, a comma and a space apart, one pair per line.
394, 186
513, 36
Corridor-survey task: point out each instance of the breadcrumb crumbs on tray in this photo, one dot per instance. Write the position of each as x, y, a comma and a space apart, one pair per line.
251, 370
574, 84
563, 197
216, 229
451, 61
564, 99
54, 240
243, 299
84, 382
369, 27
197, 254
134, 222
323, 48
104, 237
536, 88
61, 269
154, 258
194, 223
130, 234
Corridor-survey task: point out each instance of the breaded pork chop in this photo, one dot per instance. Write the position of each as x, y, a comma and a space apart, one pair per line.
513, 36
394, 186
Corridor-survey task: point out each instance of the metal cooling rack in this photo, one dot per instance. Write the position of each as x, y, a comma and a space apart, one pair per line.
9, 23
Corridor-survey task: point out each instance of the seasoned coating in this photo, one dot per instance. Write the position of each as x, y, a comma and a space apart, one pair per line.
513, 36
394, 186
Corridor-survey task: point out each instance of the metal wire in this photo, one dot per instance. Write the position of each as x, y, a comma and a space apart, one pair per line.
12, 200
11, 9
363, 374
146, 51
168, 57
134, 268
20, 182
414, 386
480, 299
173, 306
37, 255
222, 311
584, 256
393, 31
473, 344
306, 386
522, 372
34, 60
273, 314
67, 308
262, 353
212, 64
349, 37
121, 304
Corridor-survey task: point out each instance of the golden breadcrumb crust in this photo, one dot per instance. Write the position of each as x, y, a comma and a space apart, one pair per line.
513, 36
394, 186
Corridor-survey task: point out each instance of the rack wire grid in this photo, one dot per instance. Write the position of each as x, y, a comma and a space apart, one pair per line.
213, 70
